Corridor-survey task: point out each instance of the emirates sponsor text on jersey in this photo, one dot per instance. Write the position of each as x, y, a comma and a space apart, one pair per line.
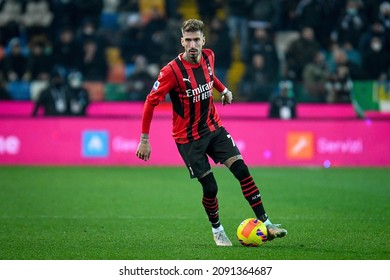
202, 92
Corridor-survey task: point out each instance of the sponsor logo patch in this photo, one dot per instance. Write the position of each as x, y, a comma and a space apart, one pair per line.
300, 145
95, 143
156, 85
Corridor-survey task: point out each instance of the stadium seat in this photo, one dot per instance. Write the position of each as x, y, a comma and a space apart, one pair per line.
146, 6
2, 52
113, 56
115, 92
129, 69
19, 90
109, 21
116, 73
95, 90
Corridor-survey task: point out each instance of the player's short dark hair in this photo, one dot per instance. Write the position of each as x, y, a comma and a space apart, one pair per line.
192, 25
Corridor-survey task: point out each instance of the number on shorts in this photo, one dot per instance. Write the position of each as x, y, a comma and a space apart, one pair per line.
231, 138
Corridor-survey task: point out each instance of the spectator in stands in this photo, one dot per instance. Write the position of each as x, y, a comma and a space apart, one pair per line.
110, 6
207, 10
288, 17
265, 13
127, 9
90, 10
66, 51
310, 13
384, 18
153, 38
355, 57
262, 43
339, 85
376, 30
220, 42
4, 95
237, 11
64, 14
131, 44
283, 104
257, 84
37, 18
15, 62
315, 76
140, 81
376, 60
384, 13
340, 58
371, 10
94, 64
299, 53
171, 38
10, 15
322, 16
171, 8
352, 25
40, 62
88, 31
77, 94
54, 99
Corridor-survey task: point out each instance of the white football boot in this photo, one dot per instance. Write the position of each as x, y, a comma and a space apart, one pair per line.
220, 237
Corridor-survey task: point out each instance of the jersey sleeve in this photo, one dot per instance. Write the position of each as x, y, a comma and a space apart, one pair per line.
160, 89
218, 85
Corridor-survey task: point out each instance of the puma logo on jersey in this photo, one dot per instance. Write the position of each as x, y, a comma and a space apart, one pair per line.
187, 79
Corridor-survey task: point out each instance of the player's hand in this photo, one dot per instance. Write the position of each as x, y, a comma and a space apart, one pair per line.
227, 97
144, 150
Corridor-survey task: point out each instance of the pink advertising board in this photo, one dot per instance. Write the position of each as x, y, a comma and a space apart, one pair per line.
253, 109
263, 142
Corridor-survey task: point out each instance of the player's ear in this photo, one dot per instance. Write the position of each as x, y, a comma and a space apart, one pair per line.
203, 40
182, 41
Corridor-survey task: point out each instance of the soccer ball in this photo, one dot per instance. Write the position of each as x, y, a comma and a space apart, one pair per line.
252, 232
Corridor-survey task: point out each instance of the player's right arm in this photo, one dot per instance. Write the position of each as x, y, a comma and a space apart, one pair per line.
161, 87
144, 149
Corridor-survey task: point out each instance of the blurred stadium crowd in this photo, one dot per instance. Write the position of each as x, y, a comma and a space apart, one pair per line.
319, 46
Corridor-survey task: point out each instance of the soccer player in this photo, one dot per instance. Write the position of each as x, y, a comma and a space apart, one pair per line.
189, 80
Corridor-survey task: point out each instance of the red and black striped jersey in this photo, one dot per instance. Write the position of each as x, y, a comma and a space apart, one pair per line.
190, 87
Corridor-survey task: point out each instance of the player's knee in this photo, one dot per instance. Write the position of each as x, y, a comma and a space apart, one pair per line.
209, 185
239, 169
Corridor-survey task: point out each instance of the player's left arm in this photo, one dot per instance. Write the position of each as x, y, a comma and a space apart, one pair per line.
227, 95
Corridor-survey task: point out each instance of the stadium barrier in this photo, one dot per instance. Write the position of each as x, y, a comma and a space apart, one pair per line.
342, 140
241, 110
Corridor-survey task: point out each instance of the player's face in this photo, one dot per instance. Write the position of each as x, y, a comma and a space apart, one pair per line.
192, 43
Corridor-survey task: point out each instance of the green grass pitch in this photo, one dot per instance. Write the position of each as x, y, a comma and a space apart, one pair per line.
153, 213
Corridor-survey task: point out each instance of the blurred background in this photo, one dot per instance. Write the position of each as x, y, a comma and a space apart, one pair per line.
326, 49
297, 59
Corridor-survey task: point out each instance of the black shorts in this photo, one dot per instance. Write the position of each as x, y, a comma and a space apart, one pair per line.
218, 145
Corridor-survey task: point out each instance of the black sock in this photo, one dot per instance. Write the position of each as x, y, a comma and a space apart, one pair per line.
249, 188
210, 200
